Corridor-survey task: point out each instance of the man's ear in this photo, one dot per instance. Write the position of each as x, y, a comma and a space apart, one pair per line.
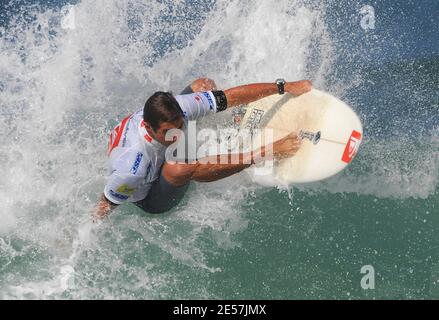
148, 127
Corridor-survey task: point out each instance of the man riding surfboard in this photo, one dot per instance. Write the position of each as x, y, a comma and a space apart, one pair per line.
140, 173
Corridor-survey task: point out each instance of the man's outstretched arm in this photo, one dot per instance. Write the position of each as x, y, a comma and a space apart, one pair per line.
218, 167
253, 92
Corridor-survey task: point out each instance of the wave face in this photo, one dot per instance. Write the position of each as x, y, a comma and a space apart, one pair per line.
70, 70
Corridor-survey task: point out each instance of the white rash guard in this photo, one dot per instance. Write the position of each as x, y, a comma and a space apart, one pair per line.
135, 158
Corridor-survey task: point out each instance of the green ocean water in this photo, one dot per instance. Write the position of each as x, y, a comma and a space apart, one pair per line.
308, 243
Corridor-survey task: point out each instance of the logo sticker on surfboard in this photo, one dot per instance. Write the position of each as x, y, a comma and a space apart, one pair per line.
352, 147
254, 119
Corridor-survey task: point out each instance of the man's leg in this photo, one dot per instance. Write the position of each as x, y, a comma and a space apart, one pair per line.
163, 195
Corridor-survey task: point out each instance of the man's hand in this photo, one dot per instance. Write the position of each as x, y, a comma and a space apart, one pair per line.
203, 84
298, 88
102, 209
286, 147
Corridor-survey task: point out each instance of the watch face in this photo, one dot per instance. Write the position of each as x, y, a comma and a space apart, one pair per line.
280, 85
280, 81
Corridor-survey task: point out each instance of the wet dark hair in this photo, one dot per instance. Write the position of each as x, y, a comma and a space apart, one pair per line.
161, 107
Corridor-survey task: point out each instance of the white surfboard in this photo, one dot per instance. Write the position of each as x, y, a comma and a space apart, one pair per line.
330, 130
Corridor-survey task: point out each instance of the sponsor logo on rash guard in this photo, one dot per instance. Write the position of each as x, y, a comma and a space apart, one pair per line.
116, 134
209, 98
126, 189
136, 164
118, 196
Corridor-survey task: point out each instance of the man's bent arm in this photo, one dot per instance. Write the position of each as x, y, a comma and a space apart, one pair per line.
253, 92
217, 167
225, 165
212, 168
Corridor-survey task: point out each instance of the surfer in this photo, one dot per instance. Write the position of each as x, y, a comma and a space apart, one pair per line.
140, 173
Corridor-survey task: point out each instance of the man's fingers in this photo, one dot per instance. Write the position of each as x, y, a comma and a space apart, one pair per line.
287, 146
293, 138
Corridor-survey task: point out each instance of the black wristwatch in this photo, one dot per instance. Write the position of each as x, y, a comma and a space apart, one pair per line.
281, 85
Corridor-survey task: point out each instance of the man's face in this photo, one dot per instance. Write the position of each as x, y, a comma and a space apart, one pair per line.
160, 133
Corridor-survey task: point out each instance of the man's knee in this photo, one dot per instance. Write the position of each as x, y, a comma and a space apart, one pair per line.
203, 84
177, 174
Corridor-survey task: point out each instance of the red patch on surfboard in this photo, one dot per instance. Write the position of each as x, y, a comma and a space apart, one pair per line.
352, 147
